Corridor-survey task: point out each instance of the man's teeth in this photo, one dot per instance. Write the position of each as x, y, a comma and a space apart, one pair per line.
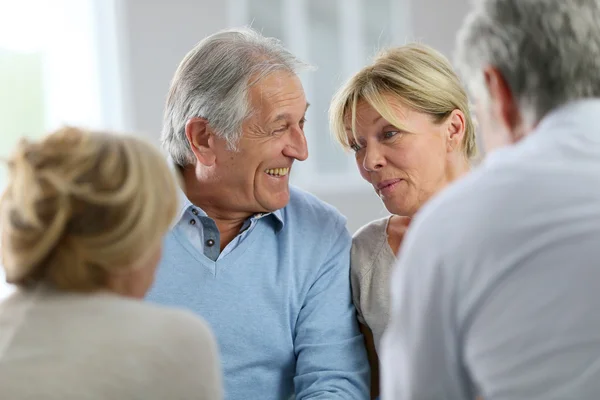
278, 171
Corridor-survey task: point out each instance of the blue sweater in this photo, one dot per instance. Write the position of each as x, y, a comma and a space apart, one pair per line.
279, 304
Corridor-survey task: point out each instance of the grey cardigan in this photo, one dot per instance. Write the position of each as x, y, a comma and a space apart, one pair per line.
371, 263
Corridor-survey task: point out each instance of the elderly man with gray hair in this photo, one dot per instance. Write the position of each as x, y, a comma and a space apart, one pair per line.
266, 264
497, 289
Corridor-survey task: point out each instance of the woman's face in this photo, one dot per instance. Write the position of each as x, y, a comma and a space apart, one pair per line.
405, 166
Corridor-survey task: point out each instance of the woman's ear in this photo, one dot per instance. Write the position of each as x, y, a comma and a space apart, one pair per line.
455, 130
199, 136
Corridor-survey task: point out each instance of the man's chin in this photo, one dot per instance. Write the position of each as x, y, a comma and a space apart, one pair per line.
273, 203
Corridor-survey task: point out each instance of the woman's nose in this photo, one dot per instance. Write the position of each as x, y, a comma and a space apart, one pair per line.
374, 159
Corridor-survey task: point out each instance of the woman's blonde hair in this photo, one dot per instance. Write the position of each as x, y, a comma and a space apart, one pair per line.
82, 204
419, 76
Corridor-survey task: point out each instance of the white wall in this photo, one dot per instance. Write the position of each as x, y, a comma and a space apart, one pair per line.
154, 35
435, 22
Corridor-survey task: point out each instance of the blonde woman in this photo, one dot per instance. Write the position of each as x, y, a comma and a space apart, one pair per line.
81, 222
406, 118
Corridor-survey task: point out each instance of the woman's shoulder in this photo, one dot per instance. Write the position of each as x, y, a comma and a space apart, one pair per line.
170, 331
170, 320
121, 319
367, 244
370, 235
185, 325
174, 349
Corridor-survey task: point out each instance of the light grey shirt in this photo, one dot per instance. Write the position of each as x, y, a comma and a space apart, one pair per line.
371, 264
497, 288
60, 346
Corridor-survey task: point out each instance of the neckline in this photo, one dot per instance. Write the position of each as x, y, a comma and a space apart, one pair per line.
386, 244
229, 258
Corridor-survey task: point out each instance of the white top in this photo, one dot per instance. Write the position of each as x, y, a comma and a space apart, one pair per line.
58, 346
371, 262
497, 288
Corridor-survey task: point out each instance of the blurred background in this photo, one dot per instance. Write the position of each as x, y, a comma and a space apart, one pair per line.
108, 63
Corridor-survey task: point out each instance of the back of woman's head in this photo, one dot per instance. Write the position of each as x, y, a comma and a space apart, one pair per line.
418, 76
81, 205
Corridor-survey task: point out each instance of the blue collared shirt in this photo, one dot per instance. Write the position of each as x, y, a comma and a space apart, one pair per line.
203, 233
277, 298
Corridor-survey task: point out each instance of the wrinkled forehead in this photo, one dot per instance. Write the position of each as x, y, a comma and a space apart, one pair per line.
278, 90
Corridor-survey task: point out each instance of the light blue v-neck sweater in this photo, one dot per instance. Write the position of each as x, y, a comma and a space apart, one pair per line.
279, 304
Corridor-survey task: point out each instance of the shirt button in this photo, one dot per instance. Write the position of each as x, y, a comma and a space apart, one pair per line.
194, 211
192, 222
210, 243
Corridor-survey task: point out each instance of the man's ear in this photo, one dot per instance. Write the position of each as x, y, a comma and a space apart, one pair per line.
503, 103
200, 138
456, 126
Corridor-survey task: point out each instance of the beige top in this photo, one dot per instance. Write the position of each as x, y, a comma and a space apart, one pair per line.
371, 263
94, 347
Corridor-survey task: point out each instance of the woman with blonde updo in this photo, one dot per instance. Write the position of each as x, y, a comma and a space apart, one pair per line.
82, 221
406, 118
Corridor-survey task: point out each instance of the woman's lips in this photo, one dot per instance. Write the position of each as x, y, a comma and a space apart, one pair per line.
385, 187
384, 184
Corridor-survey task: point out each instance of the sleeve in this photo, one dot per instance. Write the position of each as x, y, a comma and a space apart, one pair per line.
331, 361
193, 369
420, 354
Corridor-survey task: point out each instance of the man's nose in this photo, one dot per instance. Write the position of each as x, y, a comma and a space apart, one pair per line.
297, 148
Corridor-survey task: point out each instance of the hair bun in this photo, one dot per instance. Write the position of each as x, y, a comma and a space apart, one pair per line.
81, 204
36, 202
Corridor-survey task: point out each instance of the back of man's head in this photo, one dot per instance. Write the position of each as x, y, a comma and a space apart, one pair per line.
212, 82
548, 51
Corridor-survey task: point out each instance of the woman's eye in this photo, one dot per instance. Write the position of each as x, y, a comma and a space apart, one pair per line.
390, 134
355, 146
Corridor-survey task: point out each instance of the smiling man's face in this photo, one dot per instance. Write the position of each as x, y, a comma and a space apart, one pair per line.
255, 177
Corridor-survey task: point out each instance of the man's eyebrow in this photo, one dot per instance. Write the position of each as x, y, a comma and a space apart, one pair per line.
285, 116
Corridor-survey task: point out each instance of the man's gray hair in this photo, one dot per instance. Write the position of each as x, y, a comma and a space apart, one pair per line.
212, 82
547, 50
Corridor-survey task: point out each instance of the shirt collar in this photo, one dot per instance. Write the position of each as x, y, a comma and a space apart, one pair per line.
186, 204
583, 113
568, 123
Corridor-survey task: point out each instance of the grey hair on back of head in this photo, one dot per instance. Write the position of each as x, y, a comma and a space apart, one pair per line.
547, 50
212, 82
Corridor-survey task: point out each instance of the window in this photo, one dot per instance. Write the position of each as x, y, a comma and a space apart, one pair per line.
338, 37
52, 62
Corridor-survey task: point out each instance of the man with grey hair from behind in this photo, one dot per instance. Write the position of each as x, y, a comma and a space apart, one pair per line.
266, 264
497, 289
